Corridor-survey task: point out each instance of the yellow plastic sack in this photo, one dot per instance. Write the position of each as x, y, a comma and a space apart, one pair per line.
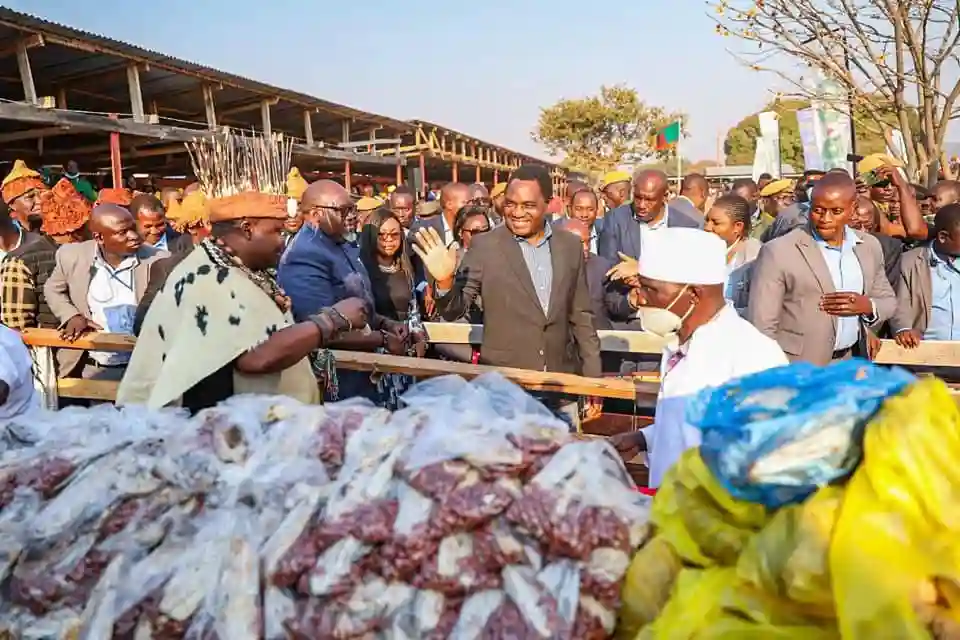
698, 524
789, 558
698, 517
713, 604
894, 558
647, 586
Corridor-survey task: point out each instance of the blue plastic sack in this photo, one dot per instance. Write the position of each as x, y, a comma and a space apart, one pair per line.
774, 437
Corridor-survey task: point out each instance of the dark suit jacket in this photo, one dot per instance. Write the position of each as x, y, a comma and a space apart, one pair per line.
686, 207
596, 269
621, 231
516, 332
892, 252
158, 276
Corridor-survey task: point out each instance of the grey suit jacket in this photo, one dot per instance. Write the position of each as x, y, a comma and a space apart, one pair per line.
67, 287
786, 283
516, 332
914, 291
684, 206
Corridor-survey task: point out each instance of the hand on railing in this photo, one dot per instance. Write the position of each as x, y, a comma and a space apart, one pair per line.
77, 326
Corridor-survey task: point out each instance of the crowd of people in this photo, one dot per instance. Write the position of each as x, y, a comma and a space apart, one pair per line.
249, 291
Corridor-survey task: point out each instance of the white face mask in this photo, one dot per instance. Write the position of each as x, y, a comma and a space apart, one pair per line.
663, 322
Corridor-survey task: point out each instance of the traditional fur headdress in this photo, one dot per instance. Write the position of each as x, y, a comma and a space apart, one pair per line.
242, 176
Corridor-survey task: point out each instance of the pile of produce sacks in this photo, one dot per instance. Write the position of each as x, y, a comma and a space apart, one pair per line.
471, 513
823, 503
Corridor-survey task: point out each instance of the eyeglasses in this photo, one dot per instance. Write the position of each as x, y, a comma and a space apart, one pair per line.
343, 211
483, 202
392, 235
476, 231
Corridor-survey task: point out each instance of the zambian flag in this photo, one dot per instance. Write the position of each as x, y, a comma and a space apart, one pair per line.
663, 139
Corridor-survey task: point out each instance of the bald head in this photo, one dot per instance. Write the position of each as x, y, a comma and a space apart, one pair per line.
115, 230
833, 207
696, 189
477, 191
323, 192
453, 197
652, 178
836, 186
945, 192
649, 195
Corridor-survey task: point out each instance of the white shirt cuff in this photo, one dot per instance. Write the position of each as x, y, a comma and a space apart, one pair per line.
872, 318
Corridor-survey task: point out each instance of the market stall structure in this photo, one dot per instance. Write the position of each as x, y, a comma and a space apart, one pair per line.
62, 89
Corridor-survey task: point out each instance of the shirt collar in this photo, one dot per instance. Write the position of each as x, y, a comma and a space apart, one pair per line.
662, 222
547, 233
162, 242
129, 262
850, 238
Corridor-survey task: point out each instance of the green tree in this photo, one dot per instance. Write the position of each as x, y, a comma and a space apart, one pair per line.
598, 133
740, 142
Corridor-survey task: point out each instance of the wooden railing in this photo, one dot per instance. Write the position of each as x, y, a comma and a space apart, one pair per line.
642, 388
42, 341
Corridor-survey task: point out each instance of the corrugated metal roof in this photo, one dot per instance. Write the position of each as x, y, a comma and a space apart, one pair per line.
85, 40
96, 43
527, 157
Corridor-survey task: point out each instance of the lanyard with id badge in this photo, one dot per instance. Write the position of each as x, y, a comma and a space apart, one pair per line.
119, 318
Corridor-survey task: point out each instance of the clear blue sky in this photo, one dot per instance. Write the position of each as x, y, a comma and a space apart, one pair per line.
483, 68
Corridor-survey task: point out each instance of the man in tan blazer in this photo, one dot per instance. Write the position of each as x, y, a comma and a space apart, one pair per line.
815, 289
928, 305
96, 286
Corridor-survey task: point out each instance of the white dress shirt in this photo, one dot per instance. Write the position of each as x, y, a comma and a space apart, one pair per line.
112, 299
16, 369
725, 348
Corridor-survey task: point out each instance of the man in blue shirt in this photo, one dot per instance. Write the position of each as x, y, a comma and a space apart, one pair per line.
928, 291
319, 269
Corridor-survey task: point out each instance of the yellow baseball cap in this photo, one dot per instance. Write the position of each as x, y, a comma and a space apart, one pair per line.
614, 177
777, 186
874, 161
498, 189
368, 204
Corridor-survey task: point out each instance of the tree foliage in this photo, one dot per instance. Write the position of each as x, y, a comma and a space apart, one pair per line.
895, 57
741, 141
600, 132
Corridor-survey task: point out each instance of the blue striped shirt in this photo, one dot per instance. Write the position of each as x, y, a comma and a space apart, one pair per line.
538, 260
847, 275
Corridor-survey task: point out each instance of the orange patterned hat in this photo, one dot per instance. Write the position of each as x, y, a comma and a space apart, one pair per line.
19, 181
121, 197
63, 209
249, 204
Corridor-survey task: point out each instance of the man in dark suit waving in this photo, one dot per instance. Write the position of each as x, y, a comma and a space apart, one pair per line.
535, 298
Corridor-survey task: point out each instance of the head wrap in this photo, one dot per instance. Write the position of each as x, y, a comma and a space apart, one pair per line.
498, 189
777, 186
121, 197
613, 177
874, 161
684, 256
249, 204
63, 209
367, 203
19, 181
192, 211
296, 185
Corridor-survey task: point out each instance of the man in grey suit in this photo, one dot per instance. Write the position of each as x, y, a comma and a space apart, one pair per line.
648, 212
818, 288
96, 286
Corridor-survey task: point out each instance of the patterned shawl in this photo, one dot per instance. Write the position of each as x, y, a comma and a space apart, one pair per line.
204, 317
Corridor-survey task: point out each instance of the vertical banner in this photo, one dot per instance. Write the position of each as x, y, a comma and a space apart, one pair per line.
833, 138
808, 139
770, 132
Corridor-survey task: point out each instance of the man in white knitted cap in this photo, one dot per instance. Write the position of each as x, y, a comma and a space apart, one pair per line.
682, 273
